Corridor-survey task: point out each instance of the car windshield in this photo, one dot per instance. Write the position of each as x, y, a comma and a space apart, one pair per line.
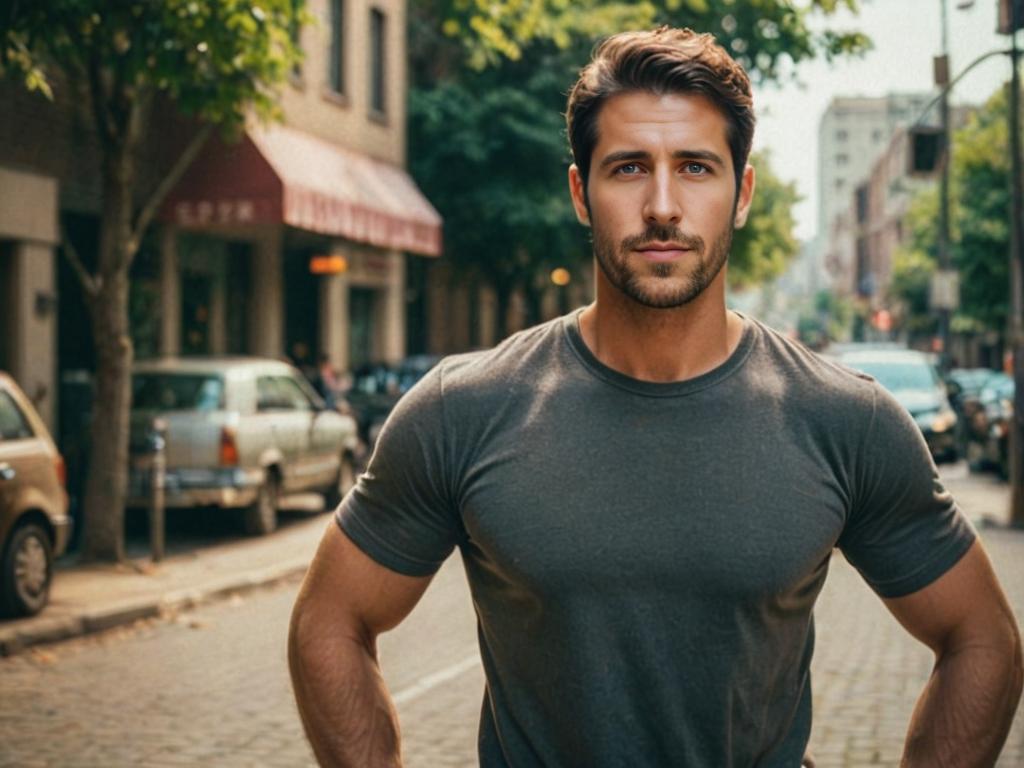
177, 392
998, 387
898, 376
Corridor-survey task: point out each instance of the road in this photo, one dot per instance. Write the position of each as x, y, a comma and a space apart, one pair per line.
210, 687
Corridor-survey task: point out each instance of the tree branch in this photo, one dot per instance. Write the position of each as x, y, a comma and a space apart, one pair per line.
173, 176
90, 285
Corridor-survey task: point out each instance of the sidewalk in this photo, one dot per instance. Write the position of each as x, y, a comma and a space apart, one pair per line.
93, 598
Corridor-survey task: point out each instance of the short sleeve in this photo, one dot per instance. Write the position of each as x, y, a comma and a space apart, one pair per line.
400, 512
904, 529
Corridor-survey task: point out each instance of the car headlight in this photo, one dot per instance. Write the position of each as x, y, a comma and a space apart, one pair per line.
944, 420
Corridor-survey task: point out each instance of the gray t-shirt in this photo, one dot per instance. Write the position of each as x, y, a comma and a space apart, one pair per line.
643, 557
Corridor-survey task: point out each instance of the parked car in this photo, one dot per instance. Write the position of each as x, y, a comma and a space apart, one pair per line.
913, 380
34, 522
963, 386
990, 415
240, 432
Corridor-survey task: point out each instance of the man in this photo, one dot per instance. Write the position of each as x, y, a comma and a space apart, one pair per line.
647, 492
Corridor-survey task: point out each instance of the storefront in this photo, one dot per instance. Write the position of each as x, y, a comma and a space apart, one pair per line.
286, 244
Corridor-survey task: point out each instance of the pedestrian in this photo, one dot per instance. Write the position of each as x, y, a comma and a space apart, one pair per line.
646, 493
327, 384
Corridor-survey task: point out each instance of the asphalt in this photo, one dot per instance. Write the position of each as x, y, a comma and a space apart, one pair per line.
207, 566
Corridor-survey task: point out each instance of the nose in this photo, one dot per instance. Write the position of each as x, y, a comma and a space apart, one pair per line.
662, 205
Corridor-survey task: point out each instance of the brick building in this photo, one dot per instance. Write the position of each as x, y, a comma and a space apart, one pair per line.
292, 241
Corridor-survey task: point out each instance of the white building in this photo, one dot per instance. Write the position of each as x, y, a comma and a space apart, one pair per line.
853, 133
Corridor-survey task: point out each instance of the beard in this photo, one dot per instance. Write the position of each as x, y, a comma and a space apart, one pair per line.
662, 285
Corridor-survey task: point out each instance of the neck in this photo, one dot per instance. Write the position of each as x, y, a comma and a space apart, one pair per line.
660, 345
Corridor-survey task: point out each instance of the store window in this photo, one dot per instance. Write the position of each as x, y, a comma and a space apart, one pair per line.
378, 54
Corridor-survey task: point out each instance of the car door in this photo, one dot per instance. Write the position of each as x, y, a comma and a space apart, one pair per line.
280, 425
306, 471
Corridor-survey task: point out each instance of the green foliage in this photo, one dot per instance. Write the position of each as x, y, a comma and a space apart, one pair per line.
760, 33
912, 271
214, 58
487, 137
981, 168
763, 248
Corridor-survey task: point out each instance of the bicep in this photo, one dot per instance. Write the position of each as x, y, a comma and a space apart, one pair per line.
964, 606
346, 589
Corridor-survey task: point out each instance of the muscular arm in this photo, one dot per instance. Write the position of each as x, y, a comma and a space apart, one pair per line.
962, 718
346, 600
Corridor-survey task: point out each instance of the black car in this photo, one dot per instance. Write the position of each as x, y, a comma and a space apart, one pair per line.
377, 388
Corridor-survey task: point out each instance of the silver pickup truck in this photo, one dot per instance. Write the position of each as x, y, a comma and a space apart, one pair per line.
240, 432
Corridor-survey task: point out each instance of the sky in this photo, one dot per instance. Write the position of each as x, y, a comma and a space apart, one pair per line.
906, 35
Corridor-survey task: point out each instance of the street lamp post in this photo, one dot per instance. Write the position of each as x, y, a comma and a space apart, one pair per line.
942, 74
1017, 276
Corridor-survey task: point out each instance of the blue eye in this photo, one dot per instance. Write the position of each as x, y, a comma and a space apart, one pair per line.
629, 169
695, 169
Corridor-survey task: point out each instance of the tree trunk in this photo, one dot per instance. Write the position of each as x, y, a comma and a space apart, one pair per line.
108, 475
533, 296
503, 297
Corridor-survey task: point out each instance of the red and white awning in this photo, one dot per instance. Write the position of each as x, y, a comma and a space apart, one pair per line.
277, 174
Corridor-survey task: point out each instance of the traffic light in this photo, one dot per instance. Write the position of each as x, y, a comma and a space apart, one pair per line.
1009, 14
927, 145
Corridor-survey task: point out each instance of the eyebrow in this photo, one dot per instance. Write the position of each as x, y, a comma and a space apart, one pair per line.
682, 154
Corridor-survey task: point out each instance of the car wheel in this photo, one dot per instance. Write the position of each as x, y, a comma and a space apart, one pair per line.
27, 571
261, 515
344, 482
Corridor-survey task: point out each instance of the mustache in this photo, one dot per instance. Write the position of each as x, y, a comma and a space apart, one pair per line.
664, 233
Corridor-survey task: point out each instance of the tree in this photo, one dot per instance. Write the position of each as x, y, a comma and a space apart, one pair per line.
762, 250
487, 140
217, 61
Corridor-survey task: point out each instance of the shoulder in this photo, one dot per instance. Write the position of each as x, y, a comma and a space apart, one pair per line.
516, 360
812, 378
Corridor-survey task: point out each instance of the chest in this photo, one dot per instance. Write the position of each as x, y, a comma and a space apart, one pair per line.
698, 498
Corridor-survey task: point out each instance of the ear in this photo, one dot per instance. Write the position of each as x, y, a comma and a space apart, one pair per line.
745, 198
578, 194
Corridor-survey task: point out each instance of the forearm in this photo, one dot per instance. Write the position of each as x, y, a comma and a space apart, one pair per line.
342, 700
965, 711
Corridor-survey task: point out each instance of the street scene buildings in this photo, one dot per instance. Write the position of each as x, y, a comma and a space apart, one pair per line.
367, 228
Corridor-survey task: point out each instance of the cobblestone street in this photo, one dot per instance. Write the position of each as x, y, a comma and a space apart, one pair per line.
210, 687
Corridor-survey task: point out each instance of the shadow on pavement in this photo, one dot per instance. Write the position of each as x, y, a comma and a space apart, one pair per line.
190, 530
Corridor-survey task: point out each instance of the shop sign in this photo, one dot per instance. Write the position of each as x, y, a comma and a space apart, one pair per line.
192, 213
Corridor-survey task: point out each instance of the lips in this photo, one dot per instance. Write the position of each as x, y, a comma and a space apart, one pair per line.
663, 251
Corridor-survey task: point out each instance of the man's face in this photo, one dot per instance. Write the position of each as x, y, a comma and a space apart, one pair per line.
662, 194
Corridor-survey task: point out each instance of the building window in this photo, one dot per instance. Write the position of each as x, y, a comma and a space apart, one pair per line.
876, 135
840, 184
842, 135
842, 159
378, 52
336, 62
295, 33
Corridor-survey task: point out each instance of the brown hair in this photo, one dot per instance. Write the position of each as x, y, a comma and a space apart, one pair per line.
661, 61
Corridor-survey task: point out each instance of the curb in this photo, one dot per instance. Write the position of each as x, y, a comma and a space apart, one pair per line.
88, 620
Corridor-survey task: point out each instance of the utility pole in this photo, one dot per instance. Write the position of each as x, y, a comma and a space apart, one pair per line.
1017, 274
942, 73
